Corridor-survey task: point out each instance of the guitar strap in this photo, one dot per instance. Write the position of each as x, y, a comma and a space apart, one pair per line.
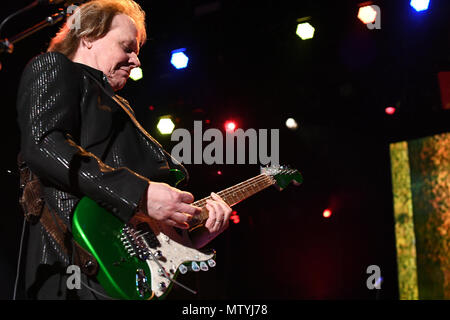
36, 210
123, 103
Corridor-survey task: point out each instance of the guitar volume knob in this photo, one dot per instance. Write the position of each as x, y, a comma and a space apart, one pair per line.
195, 267
162, 286
211, 263
203, 266
183, 269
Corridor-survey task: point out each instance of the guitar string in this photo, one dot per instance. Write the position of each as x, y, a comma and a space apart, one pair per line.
237, 188
254, 182
244, 184
248, 186
230, 193
251, 181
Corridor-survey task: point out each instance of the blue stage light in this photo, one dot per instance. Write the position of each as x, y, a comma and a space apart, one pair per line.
179, 59
420, 5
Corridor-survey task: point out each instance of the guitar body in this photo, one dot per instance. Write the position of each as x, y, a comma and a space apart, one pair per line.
135, 259
140, 260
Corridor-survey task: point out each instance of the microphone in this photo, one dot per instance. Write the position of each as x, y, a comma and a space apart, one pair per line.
7, 46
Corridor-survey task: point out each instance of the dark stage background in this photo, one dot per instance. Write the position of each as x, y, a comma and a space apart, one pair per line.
247, 63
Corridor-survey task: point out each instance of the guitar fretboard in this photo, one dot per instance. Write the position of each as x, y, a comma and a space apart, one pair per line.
234, 195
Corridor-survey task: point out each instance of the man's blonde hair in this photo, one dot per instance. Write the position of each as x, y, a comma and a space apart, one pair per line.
95, 19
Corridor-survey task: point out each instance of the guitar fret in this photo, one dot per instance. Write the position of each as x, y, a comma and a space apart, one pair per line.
234, 195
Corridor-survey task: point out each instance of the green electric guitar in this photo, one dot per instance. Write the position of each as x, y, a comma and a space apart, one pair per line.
142, 259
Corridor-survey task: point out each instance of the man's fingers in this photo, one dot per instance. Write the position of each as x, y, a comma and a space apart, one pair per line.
212, 217
186, 197
218, 210
176, 224
216, 197
181, 217
189, 209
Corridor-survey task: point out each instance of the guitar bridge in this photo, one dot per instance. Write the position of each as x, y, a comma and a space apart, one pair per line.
133, 242
148, 235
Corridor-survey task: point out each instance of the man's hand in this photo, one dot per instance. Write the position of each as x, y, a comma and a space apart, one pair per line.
218, 220
219, 214
170, 205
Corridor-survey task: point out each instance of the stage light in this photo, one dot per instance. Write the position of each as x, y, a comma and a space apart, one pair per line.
219, 173
390, 110
230, 126
420, 5
291, 124
327, 213
165, 125
235, 217
305, 31
367, 14
179, 59
136, 74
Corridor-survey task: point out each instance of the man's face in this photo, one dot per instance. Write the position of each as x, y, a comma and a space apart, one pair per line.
116, 53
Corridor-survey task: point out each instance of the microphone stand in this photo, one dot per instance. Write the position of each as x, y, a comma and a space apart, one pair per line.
7, 45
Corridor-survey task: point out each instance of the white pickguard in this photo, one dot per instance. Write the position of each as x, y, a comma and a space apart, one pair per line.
175, 250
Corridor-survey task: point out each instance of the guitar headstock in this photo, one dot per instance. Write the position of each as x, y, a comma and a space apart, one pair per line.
283, 175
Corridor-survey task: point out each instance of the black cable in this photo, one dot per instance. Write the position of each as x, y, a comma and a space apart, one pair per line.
30, 6
97, 292
19, 259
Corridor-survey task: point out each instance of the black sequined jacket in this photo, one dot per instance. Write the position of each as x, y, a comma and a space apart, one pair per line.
61, 103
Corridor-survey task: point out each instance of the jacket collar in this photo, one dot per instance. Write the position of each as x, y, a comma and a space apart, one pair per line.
99, 75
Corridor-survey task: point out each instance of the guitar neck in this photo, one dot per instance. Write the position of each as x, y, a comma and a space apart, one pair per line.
234, 195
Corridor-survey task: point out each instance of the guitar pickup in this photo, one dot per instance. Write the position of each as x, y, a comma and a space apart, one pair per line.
148, 235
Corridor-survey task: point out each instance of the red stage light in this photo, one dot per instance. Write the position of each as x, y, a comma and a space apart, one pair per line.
367, 14
390, 110
235, 217
230, 126
219, 172
327, 213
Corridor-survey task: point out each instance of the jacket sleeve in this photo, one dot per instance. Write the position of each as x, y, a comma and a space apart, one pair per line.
48, 110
